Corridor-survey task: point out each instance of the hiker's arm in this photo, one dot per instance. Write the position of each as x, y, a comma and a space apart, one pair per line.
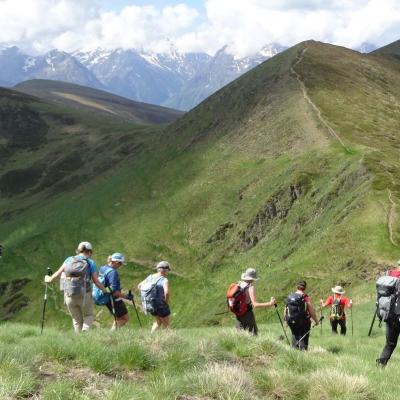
97, 282
312, 313
56, 274
254, 301
166, 291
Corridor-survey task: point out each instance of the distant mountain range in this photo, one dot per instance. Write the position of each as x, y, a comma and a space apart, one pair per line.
173, 79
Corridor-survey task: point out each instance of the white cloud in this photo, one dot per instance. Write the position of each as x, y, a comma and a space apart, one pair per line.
246, 25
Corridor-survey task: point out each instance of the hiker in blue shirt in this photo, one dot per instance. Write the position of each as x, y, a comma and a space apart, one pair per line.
116, 304
77, 273
159, 308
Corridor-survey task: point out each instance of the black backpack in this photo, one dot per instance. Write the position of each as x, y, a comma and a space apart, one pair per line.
296, 309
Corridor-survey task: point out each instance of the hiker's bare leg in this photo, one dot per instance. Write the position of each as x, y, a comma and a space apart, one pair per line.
165, 322
121, 321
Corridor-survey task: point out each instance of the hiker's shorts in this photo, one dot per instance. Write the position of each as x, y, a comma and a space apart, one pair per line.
161, 311
120, 308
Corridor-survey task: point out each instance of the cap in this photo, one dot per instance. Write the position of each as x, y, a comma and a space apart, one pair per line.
118, 257
82, 246
249, 275
163, 265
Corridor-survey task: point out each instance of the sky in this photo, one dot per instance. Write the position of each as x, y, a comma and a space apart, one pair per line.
37, 26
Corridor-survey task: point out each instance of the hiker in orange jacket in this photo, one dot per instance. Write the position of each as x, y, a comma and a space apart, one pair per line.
338, 303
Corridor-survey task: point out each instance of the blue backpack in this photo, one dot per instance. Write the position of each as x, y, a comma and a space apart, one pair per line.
99, 297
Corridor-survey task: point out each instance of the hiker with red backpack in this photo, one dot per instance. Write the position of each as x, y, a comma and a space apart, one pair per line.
298, 314
338, 303
79, 271
388, 310
242, 299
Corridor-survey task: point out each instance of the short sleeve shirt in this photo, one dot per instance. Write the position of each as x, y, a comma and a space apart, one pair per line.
92, 264
112, 278
344, 301
395, 273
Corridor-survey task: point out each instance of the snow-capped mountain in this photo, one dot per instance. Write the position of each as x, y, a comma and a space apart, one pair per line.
172, 78
15, 67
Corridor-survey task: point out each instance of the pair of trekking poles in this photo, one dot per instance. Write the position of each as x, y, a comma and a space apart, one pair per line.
284, 330
50, 272
134, 306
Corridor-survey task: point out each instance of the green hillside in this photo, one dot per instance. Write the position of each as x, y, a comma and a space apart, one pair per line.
190, 364
291, 169
97, 101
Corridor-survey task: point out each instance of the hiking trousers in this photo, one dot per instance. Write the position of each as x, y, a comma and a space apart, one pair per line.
300, 331
392, 335
341, 323
247, 322
81, 309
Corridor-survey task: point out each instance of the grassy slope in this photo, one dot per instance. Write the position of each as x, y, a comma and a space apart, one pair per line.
97, 101
227, 162
201, 363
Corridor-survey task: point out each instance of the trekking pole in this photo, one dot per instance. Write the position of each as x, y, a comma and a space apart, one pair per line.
299, 341
351, 316
134, 306
280, 320
373, 321
221, 313
321, 319
113, 311
49, 272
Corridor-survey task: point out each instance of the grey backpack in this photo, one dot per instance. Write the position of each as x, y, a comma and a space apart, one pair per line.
77, 276
150, 296
388, 304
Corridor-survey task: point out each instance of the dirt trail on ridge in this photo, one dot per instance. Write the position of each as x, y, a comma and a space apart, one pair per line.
303, 88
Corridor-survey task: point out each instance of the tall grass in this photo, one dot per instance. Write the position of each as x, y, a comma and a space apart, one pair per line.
204, 363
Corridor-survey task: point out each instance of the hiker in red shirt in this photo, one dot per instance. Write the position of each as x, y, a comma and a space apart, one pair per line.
338, 302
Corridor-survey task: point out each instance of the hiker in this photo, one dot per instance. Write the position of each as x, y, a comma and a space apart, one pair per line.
298, 313
338, 302
245, 319
79, 270
392, 319
155, 293
111, 280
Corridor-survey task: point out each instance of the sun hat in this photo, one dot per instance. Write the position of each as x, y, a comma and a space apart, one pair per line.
338, 290
249, 275
82, 246
163, 265
118, 257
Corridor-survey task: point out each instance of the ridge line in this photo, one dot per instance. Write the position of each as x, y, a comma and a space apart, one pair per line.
303, 88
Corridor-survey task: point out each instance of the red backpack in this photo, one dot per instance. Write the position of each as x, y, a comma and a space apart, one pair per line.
237, 299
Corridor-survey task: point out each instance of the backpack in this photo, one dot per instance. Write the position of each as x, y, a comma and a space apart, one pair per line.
150, 295
337, 309
77, 277
99, 297
296, 309
387, 303
237, 299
